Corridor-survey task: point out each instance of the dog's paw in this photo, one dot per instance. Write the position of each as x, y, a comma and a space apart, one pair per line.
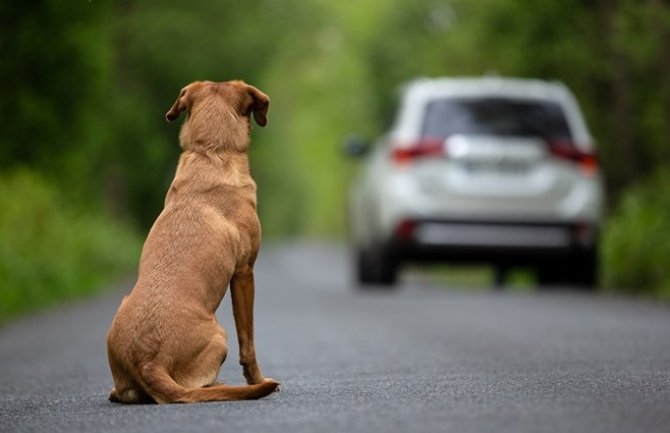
272, 381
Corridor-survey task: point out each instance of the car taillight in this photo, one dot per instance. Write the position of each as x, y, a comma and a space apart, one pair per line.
587, 161
405, 230
427, 147
585, 233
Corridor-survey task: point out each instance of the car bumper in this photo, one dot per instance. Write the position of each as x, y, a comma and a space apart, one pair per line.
500, 242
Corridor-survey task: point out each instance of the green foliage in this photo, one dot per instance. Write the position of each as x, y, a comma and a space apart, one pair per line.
54, 62
162, 46
50, 251
636, 245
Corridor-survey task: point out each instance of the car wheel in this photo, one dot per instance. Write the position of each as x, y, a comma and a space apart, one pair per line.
550, 275
581, 273
585, 272
375, 267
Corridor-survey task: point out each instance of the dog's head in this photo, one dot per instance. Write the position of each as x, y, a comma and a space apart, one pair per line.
218, 110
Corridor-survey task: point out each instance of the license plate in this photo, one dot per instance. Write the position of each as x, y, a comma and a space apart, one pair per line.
501, 167
492, 235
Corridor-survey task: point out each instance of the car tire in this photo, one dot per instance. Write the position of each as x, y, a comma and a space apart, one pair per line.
582, 272
550, 275
585, 272
375, 267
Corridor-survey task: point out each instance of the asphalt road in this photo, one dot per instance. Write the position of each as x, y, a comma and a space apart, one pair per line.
422, 359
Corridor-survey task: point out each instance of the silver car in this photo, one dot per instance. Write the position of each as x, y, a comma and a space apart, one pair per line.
488, 170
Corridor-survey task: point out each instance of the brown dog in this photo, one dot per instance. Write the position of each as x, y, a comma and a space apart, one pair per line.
164, 344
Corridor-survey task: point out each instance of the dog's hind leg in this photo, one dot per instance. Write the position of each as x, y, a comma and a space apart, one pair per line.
202, 368
129, 395
164, 389
126, 389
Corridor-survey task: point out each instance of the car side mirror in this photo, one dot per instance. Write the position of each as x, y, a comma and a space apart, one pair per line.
355, 146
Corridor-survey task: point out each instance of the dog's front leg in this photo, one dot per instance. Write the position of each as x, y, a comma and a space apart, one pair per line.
242, 290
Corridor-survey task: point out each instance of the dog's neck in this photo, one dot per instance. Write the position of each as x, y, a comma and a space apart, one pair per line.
202, 172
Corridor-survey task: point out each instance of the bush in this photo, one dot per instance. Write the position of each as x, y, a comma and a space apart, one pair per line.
49, 251
636, 243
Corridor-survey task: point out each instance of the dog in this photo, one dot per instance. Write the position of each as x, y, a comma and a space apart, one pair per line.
164, 344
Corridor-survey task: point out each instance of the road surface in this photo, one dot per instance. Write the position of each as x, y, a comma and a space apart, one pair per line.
422, 359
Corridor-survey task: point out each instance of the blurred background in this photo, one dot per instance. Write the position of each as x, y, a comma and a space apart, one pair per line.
86, 155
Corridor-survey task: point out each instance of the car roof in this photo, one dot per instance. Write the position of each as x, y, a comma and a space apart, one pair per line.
416, 93
487, 86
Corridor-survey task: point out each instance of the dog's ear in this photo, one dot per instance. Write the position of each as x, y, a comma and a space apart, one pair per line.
179, 105
260, 103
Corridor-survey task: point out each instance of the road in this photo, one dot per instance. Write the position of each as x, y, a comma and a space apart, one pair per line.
421, 359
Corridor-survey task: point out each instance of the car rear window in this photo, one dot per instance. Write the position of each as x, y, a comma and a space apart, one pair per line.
495, 116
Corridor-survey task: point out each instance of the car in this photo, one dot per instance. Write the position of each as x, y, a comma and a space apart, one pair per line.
492, 170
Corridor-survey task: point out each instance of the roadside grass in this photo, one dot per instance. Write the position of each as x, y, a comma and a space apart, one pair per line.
52, 252
636, 242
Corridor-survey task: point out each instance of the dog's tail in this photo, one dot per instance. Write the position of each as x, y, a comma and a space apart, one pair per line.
163, 389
